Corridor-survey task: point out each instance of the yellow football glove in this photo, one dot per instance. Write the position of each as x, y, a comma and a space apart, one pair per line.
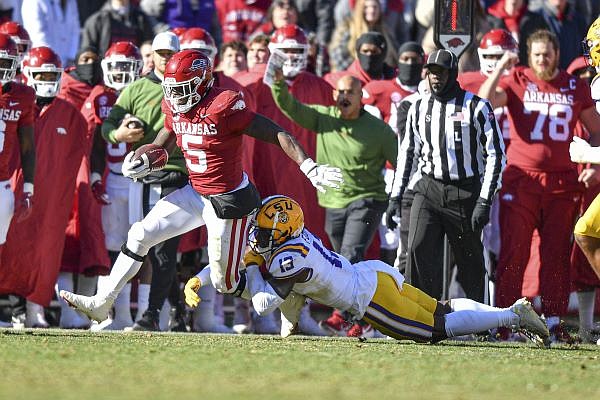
252, 257
191, 292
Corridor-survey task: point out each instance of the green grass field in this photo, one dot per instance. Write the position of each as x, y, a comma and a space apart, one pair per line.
58, 364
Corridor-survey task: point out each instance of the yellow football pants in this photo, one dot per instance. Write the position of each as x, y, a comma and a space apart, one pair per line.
589, 223
401, 314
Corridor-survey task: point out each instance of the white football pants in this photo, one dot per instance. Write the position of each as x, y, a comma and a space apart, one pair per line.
175, 214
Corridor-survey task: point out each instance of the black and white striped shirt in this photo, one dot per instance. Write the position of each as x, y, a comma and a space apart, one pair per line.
451, 141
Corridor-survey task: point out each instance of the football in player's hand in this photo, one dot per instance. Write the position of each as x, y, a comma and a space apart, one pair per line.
151, 155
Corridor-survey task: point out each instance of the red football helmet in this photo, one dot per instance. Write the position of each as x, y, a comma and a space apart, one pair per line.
9, 58
187, 79
291, 40
493, 45
179, 31
43, 60
19, 35
121, 65
199, 39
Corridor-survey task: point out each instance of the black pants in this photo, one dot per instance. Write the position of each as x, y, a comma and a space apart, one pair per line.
439, 209
351, 229
163, 256
405, 206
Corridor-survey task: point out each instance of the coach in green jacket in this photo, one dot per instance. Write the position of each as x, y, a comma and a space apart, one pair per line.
359, 144
142, 100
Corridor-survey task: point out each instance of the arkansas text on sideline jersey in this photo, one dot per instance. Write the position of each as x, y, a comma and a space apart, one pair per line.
542, 118
16, 110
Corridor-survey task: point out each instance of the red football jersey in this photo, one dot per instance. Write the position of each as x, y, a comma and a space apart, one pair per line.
210, 137
542, 118
471, 82
16, 110
72, 90
95, 109
386, 96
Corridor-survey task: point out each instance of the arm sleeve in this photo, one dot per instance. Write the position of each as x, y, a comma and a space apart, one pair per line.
409, 149
27, 115
493, 150
264, 298
303, 115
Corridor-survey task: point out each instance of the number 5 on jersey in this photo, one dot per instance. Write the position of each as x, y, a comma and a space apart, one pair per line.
195, 158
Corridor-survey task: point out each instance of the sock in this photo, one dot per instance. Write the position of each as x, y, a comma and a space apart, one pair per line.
86, 285
143, 298
242, 311
123, 304
124, 269
204, 315
470, 305
102, 284
64, 282
586, 302
465, 322
218, 309
552, 321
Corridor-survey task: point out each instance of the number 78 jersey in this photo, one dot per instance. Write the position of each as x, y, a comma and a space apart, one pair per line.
210, 137
542, 116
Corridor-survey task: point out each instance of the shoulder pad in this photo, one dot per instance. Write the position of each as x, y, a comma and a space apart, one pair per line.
227, 102
288, 260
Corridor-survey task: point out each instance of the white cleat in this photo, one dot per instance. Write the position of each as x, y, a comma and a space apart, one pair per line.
530, 323
95, 308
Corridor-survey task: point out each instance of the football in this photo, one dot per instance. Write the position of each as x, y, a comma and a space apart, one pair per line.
153, 156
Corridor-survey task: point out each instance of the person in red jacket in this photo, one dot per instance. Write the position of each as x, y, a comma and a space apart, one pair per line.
16, 138
84, 256
240, 18
32, 255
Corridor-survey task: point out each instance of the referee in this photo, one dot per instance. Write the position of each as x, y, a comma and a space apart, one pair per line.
451, 156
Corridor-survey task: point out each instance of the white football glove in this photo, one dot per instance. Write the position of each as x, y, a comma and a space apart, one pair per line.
135, 169
581, 151
322, 175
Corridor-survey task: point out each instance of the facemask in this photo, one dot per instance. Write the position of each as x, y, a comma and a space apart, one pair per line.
410, 74
89, 73
372, 65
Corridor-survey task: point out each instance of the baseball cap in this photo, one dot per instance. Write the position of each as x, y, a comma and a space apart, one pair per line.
444, 58
165, 41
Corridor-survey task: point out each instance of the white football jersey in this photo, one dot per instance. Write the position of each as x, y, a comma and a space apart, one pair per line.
332, 280
595, 87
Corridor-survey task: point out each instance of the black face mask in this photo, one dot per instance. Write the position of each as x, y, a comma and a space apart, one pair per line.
372, 65
450, 90
89, 73
410, 74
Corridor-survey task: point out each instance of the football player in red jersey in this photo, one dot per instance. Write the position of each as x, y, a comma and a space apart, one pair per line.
382, 98
20, 36
16, 129
492, 47
207, 124
121, 66
32, 255
540, 184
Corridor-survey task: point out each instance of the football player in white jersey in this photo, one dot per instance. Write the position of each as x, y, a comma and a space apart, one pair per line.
298, 264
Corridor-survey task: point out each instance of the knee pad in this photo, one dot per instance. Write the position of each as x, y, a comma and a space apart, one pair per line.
131, 254
136, 239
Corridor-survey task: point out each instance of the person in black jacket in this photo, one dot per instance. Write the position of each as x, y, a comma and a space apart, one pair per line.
117, 20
